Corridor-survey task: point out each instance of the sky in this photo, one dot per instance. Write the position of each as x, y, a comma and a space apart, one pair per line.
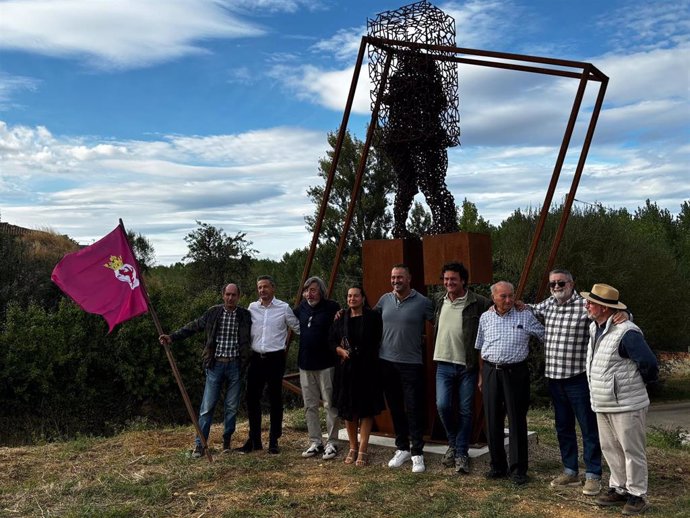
168, 112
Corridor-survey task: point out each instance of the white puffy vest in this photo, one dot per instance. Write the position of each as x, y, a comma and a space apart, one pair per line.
615, 384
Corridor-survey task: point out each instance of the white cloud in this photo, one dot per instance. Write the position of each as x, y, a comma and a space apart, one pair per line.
344, 45
648, 25
327, 88
10, 84
289, 6
254, 182
120, 34
655, 74
480, 24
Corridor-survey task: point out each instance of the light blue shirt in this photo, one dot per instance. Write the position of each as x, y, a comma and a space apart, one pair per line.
505, 338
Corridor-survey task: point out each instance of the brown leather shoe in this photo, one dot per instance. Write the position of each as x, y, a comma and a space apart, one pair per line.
611, 497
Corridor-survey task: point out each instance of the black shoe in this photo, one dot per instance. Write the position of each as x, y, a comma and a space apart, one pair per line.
198, 451
226, 446
495, 473
273, 448
519, 479
249, 447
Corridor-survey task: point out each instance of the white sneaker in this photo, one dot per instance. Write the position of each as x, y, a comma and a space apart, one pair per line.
330, 452
418, 464
400, 458
314, 449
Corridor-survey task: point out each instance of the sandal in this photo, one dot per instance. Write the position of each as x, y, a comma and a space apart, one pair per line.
351, 455
362, 459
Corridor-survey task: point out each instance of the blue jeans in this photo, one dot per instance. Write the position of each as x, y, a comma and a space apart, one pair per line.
570, 398
228, 373
451, 379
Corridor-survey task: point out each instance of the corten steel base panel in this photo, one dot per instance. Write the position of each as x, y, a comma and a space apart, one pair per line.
470, 248
378, 256
474, 251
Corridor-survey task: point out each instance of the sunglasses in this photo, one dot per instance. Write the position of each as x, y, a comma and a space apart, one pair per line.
560, 284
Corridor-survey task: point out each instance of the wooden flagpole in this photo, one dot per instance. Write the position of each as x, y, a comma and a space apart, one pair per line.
169, 354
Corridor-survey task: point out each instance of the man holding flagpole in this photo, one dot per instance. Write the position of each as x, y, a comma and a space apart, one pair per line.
226, 351
104, 279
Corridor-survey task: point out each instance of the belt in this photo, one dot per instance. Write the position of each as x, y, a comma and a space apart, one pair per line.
268, 354
505, 366
225, 359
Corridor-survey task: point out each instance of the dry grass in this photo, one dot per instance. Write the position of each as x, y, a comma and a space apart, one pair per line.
149, 473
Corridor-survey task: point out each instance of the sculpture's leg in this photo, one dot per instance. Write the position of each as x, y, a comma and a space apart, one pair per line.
433, 164
406, 188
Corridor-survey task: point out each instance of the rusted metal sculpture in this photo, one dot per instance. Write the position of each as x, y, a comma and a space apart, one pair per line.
584, 73
418, 115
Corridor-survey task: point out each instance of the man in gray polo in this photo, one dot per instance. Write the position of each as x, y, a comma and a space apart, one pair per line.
404, 312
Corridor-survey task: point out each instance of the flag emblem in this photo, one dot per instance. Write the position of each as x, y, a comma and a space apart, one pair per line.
123, 272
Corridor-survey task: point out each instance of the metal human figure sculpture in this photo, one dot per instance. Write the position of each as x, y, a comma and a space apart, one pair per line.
419, 110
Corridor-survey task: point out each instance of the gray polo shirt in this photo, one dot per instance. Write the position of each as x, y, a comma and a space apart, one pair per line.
403, 326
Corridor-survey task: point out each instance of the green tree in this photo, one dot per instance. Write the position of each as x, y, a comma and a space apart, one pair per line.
371, 219
419, 222
143, 250
216, 258
469, 219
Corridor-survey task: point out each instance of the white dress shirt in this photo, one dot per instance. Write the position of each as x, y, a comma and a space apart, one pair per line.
270, 325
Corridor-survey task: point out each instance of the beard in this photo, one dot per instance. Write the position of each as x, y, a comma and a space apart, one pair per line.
562, 296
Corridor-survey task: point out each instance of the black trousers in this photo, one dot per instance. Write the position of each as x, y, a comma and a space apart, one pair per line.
403, 386
265, 371
506, 391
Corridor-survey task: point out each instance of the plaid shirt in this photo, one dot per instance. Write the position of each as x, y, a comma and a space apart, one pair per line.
504, 338
227, 344
567, 335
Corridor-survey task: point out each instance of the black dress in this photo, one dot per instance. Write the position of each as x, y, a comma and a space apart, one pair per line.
357, 389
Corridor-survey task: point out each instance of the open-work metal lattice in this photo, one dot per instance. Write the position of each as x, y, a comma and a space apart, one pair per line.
418, 114
580, 71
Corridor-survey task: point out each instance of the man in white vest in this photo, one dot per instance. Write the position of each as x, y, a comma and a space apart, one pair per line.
619, 365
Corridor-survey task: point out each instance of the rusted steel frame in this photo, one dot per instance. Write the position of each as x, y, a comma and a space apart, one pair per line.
331, 173
291, 383
552, 185
360, 173
573, 188
520, 68
379, 42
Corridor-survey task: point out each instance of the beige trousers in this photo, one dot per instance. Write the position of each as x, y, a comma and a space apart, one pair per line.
317, 386
623, 438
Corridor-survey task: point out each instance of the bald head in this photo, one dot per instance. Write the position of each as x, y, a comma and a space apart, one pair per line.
231, 295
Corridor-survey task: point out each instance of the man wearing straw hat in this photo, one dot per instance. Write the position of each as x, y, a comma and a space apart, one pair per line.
619, 365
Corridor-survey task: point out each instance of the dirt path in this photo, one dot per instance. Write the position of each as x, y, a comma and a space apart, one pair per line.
669, 415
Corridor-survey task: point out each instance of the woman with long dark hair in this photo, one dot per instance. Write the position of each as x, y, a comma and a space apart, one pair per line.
357, 393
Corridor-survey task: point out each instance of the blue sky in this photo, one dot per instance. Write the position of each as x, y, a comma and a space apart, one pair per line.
163, 112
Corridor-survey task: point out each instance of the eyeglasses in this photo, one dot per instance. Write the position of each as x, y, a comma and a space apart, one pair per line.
309, 323
560, 284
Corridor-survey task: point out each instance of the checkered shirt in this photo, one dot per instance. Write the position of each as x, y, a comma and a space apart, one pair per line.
227, 343
504, 338
567, 335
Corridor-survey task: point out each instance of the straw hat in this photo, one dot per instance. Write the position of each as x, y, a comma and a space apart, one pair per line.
605, 295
